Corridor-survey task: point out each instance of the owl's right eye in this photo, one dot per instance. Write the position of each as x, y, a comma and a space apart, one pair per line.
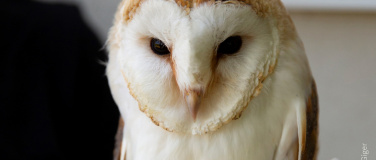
158, 47
230, 46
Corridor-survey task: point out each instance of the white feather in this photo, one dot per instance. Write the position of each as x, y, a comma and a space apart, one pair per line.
263, 131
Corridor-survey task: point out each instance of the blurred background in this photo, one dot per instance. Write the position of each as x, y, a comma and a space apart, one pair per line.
340, 42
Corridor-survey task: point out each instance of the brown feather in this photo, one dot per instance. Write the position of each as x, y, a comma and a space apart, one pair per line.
119, 140
311, 135
264, 8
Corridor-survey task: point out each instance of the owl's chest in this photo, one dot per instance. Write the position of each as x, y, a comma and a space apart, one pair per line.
250, 137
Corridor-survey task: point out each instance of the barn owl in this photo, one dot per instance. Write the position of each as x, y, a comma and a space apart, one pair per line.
211, 80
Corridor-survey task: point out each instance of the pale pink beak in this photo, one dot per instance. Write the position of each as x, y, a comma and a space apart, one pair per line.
193, 99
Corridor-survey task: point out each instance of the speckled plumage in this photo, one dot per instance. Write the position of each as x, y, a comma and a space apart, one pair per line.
253, 103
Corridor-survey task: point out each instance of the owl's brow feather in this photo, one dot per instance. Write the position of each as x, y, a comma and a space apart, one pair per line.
262, 8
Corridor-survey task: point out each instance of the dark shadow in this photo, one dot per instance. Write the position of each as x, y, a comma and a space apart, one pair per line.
55, 103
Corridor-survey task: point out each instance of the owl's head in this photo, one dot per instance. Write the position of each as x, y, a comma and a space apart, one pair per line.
194, 65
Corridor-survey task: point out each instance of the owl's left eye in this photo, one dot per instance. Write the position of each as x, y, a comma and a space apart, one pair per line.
158, 47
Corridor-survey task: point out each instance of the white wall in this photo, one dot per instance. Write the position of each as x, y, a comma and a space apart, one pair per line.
341, 47
332, 5
98, 13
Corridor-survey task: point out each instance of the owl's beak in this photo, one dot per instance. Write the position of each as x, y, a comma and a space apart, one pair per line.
193, 99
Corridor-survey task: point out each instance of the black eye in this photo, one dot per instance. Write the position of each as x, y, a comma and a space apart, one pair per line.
230, 46
158, 47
